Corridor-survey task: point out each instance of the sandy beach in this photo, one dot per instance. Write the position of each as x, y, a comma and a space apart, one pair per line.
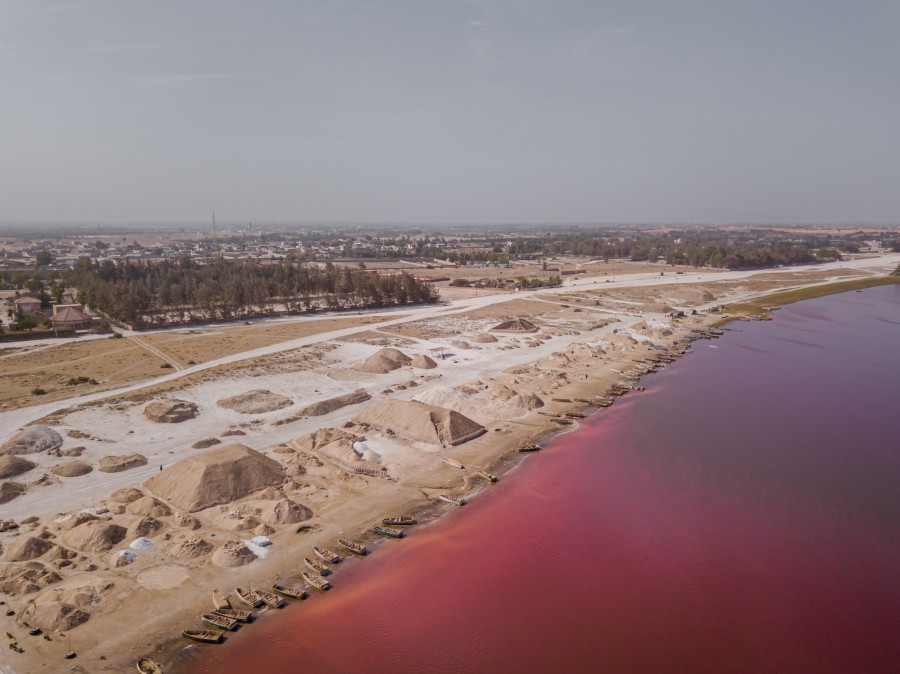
129, 505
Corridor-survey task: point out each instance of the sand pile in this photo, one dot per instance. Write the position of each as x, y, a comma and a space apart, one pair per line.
419, 422
653, 329
332, 404
284, 511
116, 464
618, 342
95, 536
10, 466
186, 522
258, 401
144, 527
654, 308
32, 440
484, 405
259, 514
126, 495
147, 506
423, 362
332, 443
190, 548
67, 607
27, 577
9, 490
691, 294
122, 558
171, 411
232, 554
384, 361
515, 325
206, 443
71, 521
484, 338
71, 469
26, 549
215, 477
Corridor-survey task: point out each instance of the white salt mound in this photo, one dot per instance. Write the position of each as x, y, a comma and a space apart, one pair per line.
261, 541
141, 543
258, 550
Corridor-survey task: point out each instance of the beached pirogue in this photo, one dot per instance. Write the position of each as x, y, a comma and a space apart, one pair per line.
393, 532
316, 581
220, 621
220, 600
206, 636
530, 448
249, 597
486, 475
290, 591
317, 566
398, 519
235, 614
147, 666
269, 598
451, 499
326, 555
352, 546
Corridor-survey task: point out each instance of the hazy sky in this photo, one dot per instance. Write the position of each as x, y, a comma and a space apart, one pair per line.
450, 110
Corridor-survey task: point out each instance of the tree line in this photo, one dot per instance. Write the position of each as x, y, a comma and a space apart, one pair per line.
142, 293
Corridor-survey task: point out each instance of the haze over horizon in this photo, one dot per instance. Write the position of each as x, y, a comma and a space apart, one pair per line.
450, 111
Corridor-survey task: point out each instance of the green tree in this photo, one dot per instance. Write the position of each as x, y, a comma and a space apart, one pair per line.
43, 258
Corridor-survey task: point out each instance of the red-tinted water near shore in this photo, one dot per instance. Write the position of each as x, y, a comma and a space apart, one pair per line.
742, 515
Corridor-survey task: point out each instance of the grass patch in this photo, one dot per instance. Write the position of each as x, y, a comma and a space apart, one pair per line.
789, 296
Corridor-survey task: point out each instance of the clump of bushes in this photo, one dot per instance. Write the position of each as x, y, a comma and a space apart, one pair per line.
38, 392
166, 366
75, 381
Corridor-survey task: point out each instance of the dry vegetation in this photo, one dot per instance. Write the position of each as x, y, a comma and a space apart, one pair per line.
118, 362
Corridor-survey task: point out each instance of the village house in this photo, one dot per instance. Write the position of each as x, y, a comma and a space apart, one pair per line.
70, 317
27, 305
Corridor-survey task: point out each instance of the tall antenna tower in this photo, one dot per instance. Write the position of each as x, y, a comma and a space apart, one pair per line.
214, 224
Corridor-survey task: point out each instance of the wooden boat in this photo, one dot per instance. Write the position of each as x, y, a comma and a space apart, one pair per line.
562, 422
206, 636
455, 464
289, 591
235, 613
398, 519
326, 555
219, 621
530, 448
317, 566
352, 546
147, 666
316, 581
220, 600
249, 597
270, 598
454, 501
486, 475
388, 531
575, 415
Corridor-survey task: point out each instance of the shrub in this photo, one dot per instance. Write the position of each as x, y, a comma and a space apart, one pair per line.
166, 366
38, 392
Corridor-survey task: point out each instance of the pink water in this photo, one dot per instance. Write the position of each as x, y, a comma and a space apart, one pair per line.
742, 515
